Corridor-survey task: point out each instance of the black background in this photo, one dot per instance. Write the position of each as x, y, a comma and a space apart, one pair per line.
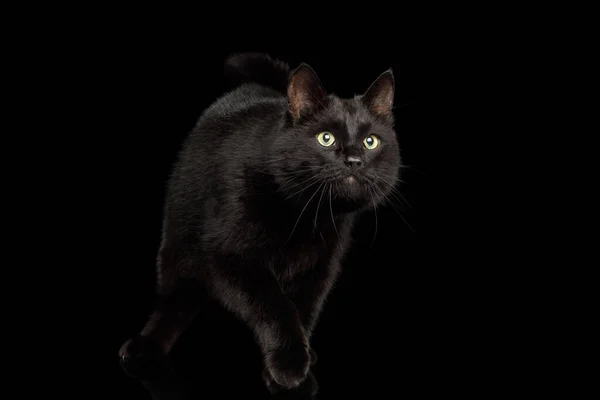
468, 305
411, 311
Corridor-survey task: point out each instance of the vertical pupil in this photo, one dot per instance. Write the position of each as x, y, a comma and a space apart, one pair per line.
370, 141
326, 137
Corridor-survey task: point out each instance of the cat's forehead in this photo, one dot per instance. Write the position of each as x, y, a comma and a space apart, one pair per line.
352, 113
349, 108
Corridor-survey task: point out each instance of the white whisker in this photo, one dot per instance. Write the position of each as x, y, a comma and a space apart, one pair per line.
302, 212
331, 211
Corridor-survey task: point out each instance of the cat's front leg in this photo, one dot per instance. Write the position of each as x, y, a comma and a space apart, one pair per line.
311, 293
254, 295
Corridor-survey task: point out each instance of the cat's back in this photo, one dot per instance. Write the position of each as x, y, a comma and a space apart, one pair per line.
251, 99
229, 135
235, 125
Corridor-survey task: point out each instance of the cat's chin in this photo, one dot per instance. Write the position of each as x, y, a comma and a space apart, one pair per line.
351, 195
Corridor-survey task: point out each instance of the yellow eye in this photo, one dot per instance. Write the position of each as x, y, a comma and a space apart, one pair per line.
371, 142
325, 139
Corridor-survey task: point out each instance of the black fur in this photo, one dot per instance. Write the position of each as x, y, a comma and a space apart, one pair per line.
259, 214
257, 67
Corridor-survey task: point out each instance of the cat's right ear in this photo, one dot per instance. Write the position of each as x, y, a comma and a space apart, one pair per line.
305, 92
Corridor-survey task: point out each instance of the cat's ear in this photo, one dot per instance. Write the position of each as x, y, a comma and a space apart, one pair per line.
305, 92
379, 97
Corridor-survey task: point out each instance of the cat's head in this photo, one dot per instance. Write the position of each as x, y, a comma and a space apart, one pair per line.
343, 149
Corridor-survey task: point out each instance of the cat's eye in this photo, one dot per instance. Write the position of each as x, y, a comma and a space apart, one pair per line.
325, 139
371, 142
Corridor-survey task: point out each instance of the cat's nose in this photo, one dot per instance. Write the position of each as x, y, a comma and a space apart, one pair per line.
353, 161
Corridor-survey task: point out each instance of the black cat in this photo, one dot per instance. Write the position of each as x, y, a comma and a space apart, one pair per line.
260, 207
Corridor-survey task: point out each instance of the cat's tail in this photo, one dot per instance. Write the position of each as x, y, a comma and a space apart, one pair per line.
258, 68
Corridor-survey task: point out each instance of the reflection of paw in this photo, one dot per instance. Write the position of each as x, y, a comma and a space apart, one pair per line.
308, 387
288, 365
141, 358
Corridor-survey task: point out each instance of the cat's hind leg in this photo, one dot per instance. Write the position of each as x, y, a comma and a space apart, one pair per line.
145, 356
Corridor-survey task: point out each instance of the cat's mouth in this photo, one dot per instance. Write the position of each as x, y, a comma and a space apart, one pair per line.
350, 193
351, 179
350, 187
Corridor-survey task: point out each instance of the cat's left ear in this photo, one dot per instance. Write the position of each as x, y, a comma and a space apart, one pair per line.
379, 98
305, 92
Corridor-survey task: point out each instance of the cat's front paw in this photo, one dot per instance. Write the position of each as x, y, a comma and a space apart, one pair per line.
306, 390
288, 365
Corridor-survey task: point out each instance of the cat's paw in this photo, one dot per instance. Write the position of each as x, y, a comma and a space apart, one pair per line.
308, 387
141, 358
288, 365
